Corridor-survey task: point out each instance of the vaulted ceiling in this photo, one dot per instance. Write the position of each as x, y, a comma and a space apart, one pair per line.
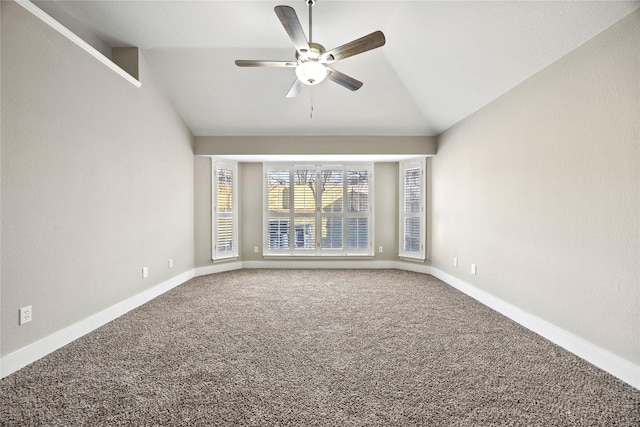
442, 61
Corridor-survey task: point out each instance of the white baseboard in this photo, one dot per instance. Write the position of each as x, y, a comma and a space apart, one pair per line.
310, 264
218, 268
603, 359
29, 354
416, 267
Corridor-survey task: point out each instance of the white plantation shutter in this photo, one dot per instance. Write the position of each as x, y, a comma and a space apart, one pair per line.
225, 209
318, 210
412, 209
304, 209
358, 209
332, 206
358, 233
278, 209
278, 233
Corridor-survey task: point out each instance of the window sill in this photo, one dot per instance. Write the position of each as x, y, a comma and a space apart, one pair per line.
406, 258
225, 259
311, 257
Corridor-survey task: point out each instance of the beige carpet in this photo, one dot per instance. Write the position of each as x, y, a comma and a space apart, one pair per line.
315, 347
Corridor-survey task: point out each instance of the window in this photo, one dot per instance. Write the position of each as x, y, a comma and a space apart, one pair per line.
318, 210
412, 216
224, 198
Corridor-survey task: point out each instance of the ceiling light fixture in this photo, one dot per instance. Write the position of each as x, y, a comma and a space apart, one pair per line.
311, 72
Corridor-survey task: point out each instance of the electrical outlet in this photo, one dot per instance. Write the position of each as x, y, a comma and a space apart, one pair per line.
473, 269
170, 262
25, 315
255, 249
380, 249
145, 272
455, 262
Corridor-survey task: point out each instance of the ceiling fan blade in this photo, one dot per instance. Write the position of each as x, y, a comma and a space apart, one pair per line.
295, 89
343, 80
259, 63
363, 44
291, 24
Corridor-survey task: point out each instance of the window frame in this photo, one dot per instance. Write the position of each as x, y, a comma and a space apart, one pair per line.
403, 215
289, 216
216, 214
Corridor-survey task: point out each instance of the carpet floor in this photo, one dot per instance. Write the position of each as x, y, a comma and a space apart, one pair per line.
315, 347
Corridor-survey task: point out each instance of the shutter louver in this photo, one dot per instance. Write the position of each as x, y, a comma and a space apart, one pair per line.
278, 205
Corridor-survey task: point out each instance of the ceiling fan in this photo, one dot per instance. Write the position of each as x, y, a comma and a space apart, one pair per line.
312, 61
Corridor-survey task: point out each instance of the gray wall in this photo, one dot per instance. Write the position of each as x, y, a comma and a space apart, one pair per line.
251, 208
202, 211
541, 189
334, 145
97, 182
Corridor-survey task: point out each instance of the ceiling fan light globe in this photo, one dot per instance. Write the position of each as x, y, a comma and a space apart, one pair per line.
311, 72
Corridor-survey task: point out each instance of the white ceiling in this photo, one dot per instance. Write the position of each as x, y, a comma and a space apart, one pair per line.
443, 60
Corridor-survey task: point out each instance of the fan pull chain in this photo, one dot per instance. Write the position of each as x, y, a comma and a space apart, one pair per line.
311, 112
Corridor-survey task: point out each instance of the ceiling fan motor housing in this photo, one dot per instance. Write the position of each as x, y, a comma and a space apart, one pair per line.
316, 50
310, 69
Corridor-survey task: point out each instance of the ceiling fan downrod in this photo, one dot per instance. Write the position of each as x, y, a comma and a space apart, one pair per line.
310, 3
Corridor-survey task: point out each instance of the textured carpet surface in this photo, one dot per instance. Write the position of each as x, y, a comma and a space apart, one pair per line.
315, 347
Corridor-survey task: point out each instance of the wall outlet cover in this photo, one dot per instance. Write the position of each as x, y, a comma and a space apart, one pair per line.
26, 315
